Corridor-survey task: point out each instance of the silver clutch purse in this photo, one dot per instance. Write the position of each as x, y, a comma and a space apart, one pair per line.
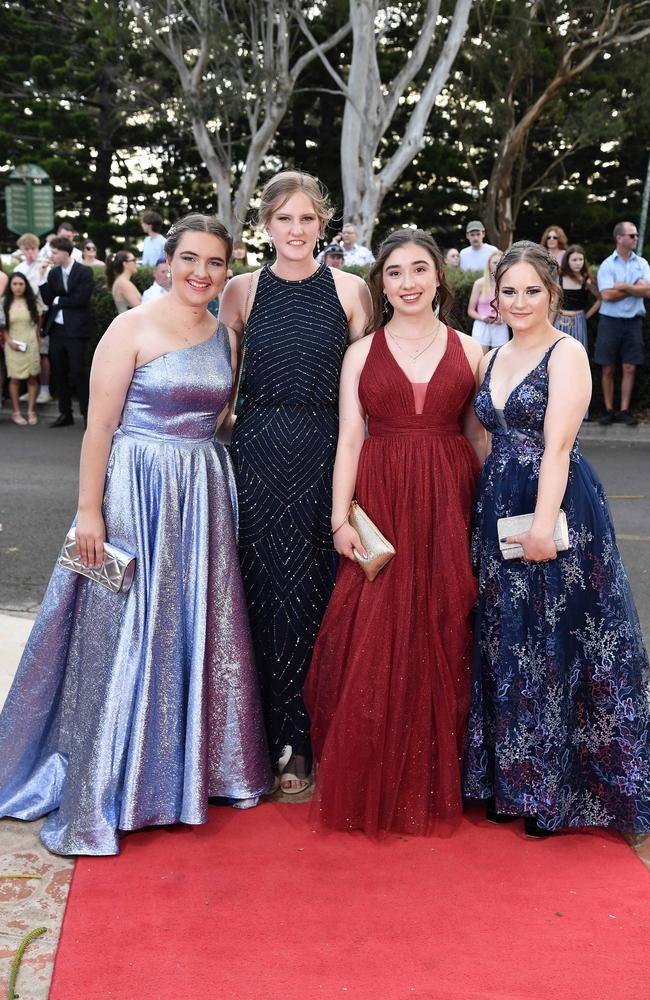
379, 549
116, 572
509, 526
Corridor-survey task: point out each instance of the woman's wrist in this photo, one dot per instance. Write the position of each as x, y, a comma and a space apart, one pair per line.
337, 525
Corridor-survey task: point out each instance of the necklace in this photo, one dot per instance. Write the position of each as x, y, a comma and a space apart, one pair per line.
409, 354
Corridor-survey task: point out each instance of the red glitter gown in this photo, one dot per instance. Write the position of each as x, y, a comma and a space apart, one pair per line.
389, 684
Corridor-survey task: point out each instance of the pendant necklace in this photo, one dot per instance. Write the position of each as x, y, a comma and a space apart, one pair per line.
409, 354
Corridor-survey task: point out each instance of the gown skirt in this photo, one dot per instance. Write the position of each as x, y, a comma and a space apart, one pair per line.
560, 717
389, 684
131, 709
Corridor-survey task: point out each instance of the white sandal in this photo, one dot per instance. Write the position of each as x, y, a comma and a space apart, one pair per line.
303, 783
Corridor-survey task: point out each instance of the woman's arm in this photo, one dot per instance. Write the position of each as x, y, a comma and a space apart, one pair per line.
226, 419
473, 429
592, 288
354, 296
473, 300
569, 393
110, 377
352, 432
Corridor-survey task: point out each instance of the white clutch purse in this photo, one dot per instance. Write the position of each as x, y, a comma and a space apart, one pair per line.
115, 573
509, 526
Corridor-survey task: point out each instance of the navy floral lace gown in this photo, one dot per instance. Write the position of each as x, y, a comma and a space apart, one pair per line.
560, 717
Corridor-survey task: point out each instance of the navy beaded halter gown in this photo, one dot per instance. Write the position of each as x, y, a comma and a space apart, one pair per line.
283, 451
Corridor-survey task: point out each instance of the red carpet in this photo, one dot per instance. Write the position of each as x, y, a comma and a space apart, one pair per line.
256, 906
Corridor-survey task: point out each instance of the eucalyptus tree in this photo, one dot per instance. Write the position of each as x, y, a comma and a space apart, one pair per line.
237, 65
423, 41
521, 77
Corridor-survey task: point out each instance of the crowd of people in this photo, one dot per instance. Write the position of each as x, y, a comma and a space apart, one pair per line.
261, 647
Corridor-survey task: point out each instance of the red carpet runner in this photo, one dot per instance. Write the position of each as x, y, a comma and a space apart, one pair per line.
256, 906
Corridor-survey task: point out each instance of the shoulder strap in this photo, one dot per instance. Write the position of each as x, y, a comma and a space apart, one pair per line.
492, 360
553, 346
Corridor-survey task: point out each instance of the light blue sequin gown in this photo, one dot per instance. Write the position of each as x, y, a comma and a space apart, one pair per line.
130, 710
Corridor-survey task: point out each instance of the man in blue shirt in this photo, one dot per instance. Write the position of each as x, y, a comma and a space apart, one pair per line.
624, 282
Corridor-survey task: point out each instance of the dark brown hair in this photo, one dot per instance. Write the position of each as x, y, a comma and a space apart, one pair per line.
547, 267
197, 223
115, 265
381, 312
565, 270
62, 243
30, 299
154, 220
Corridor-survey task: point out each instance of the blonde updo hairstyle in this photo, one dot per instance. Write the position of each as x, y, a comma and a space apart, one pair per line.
541, 259
280, 188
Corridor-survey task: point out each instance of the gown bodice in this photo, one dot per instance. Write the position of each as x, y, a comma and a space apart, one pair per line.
518, 429
179, 395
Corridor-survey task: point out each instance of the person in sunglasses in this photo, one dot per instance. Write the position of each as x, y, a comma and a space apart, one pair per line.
555, 240
624, 283
89, 254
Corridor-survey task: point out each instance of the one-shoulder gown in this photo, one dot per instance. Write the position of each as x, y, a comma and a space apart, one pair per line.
131, 709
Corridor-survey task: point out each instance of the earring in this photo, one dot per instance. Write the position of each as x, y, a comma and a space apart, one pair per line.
387, 305
435, 305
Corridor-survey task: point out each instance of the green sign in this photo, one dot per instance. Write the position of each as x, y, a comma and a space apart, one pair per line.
30, 201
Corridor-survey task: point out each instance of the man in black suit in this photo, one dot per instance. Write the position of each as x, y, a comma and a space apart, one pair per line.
69, 323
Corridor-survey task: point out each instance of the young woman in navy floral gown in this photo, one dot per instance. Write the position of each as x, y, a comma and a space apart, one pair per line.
559, 728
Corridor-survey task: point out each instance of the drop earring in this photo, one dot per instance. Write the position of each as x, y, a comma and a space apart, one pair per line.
435, 305
386, 303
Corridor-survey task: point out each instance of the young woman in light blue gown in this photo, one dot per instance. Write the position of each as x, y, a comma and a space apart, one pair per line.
132, 709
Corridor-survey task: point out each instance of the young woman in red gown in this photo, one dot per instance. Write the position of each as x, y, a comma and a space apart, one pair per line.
389, 684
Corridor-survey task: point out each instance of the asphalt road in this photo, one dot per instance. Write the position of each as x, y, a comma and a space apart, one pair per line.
38, 493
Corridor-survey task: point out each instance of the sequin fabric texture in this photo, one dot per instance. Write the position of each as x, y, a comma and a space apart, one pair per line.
389, 685
560, 717
130, 710
283, 450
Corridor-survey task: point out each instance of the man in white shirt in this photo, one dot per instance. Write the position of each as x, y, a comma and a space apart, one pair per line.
476, 255
354, 254
67, 230
161, 281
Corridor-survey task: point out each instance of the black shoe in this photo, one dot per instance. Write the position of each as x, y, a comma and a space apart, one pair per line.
493, 816
607, 418
533, 830
627, 417
63, 420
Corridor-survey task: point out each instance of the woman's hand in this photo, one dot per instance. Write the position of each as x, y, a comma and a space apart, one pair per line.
91, 535
12, 344
346, 539
537, 548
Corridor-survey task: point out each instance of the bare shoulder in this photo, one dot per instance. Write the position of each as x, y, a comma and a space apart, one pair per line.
122, 336
570, 351
472, 348
348, 284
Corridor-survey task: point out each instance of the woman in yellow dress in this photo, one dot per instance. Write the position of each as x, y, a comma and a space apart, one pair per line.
22, 345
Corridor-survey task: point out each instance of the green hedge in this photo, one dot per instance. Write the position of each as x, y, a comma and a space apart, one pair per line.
461, 283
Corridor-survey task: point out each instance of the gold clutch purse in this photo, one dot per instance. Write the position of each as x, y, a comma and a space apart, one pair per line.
509, 526
379, 549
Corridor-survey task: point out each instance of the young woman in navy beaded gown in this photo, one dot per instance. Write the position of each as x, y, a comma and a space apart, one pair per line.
299, 317
559, 727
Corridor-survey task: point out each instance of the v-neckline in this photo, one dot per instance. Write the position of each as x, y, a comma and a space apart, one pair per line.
502, 409
443, 357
